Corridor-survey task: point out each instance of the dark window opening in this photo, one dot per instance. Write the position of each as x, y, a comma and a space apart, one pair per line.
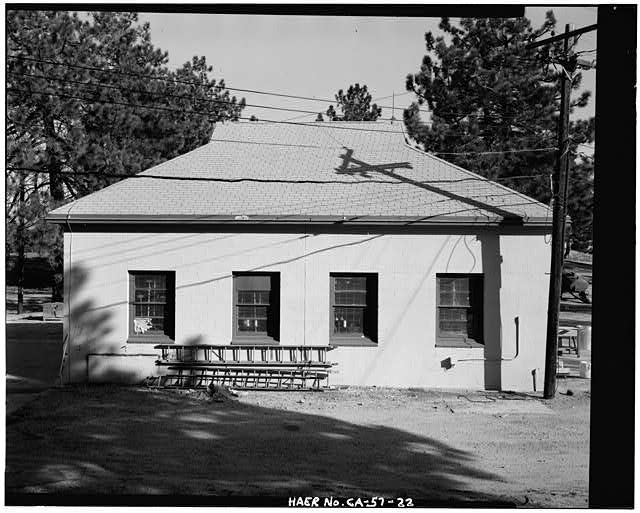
460, 310
151, 306
256, 307
354, 308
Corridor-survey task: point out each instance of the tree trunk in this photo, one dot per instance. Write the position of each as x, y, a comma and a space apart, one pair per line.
58, 267
20, 235
54, 166
56, 187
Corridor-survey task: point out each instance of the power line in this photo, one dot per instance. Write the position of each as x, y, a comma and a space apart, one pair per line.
318, 125
206, 100
163, 95
374, 100
493, 152
196, 112
184, 82
209, 114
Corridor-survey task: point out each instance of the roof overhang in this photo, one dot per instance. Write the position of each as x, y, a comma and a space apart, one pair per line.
299, 219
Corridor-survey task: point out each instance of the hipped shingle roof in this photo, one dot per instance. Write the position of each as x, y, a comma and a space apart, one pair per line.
363, 172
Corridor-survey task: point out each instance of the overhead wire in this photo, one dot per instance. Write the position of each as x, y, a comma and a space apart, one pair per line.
221, 84
374, 100
212, 114
157, 94
170, 95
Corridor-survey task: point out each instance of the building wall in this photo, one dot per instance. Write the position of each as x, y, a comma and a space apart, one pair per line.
515, 271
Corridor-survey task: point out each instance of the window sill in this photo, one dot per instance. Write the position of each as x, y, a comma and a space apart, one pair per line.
459, 343
352, 341
151, 339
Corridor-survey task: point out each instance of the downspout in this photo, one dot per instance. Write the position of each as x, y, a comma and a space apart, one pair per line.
516, 320
66, 346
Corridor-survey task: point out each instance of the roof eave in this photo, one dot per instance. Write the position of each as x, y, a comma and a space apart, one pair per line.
299, 219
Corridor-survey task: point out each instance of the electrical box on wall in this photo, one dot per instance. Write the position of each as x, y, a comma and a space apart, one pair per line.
448, 363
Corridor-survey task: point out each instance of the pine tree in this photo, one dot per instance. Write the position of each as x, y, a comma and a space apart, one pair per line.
355, 106
89, 115
486, 92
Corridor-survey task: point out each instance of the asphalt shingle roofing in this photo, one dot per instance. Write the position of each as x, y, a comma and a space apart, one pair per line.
316, 172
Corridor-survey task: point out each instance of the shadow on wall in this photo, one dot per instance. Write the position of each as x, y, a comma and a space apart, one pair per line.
86, 336
390, 337
118, 440
491, 266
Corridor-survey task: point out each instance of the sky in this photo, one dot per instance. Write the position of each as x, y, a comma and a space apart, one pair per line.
314, 56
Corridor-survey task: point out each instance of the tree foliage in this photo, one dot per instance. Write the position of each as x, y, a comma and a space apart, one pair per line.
355, 106
486, 92
92, 113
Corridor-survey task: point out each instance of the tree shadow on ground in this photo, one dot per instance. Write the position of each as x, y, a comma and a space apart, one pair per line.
109, 440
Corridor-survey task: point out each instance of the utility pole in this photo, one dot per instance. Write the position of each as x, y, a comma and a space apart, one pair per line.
560, 188
557, 237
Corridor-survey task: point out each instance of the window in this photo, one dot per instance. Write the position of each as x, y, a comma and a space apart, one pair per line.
459, 302
354, 309
151, 306
256, 308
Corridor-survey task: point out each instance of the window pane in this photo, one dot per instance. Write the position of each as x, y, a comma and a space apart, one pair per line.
256, 307
246, 324
142, 296
453, 328
460, 306
446, 298
458, 322
446, 285
150, 281
348, 320
148, 325
453, 314
252, 325
461, 291
147, 310
454, 291
253, 282
157, 323
251, 312
253, 297
461, 298
351, 298
358, 283
151, 296
152, 303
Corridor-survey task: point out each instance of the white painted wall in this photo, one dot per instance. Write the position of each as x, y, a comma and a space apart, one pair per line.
516, 285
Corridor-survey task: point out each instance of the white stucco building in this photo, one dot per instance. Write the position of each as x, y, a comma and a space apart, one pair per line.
420, 273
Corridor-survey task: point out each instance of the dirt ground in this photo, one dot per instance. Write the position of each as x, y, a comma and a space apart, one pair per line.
33, 301
483, 447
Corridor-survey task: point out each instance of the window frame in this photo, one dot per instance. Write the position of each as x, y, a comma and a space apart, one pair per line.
461, 341
369, 336
168, 337
273, 322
